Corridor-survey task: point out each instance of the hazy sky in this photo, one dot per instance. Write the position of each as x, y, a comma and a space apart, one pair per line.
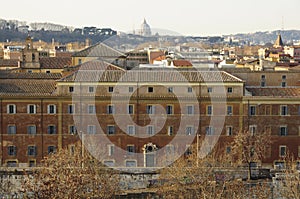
189, 17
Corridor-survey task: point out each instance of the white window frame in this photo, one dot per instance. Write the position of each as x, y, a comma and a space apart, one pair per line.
209, 110
128, 109
29, 107
189, 130
170, 109
71, 109
110, 129
130, 129
14, 109
280, 150
190, 109
91, 109
284, 110
150, 109
110, 109
150, 130
170, 130
49, 109
91, 129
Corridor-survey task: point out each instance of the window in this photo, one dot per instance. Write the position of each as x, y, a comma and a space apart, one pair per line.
31, 151
209, 130
72, 130
150, 89
190, 89
209, 110
111, 129
11, 163
31, 129
91, 129
111, 150
79, 61
170, 149
169, 109
11, 129
12, 150
283, 131
229, 90
150, 109
229, 130
110, 89
228, 149
190, 110
252, 110
283, 110
130, 109
51, 129
130, 89
109, 163
51, 149
51, 109
71, 89
189, 130
170, 130
170, 89
31, 109
130, 149
11, 109
283, 84
130, 163
32, 163
252, 129
209, 89
283, 77
282, 151
71, 108
263, 81
110, 109
91, 89
91, 109
150, 130
229, 110
188, 150
130, 129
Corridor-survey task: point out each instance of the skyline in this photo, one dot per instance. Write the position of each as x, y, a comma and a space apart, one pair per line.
191, 18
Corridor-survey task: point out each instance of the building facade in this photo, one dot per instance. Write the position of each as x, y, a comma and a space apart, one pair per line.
134, 118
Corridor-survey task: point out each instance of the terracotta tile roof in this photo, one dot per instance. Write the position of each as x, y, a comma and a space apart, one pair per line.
154, 55
16, 75
180, 63
9, 62
99, 50
153, 75
55, 62
26, 87
278, 92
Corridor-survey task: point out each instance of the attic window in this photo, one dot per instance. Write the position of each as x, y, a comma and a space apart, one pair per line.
48, 71
150, 89
71, 89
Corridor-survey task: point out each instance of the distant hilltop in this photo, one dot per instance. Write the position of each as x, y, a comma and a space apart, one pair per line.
15, 30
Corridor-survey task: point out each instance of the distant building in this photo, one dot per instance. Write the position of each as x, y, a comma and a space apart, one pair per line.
145, 29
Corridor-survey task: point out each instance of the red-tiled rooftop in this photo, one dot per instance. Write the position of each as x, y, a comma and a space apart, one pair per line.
181, 63
9, 62
55, 62
278, 92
